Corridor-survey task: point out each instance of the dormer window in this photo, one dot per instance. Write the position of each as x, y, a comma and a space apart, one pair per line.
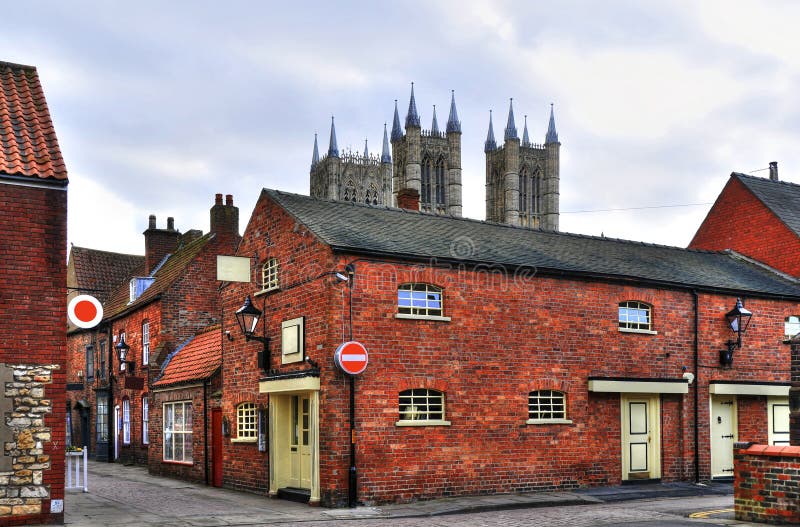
139, 285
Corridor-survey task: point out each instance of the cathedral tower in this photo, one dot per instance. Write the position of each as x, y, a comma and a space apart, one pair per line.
352, 176
522, 178
428, 161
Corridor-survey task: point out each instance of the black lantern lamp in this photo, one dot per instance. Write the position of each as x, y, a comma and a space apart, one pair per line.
247, 317
738, 319
122, 353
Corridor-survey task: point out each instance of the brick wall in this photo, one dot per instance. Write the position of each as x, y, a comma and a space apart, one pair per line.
767, 484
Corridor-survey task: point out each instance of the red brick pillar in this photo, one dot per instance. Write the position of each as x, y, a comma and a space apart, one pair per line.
794, 395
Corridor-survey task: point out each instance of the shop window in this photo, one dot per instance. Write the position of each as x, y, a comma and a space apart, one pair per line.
178, 432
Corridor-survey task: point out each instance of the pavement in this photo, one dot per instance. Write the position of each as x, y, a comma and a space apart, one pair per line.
128, 496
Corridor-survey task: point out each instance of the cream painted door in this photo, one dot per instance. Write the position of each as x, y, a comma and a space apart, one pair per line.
641, 433
300, 443
778, 420
723, 434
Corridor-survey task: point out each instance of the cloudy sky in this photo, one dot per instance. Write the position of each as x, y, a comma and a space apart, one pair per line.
160, 105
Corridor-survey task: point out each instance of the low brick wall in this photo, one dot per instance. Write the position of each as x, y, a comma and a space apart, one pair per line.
767, 484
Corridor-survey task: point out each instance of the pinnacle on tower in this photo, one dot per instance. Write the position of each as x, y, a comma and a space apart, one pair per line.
412, 118
386, 157
511, 128
333, 149
552, 135
315, 154
397, 132
434, 124
366, 150
490, 142
453, 124
525, 139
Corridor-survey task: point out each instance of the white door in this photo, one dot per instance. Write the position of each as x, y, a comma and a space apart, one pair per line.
641, 433
300, 442
723, 434
778, 420
116, 431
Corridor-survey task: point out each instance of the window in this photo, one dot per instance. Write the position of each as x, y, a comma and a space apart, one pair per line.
292, 349
145, 343
102, 418
425, 183
126, 421
101, 360
145, 420
89, 363
791, 326
634, 316
440, 182
421, 406
269, 275
547, 406
178, 432
247, 422
420, 300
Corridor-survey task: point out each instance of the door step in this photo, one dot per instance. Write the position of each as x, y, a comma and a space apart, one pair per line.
294, 494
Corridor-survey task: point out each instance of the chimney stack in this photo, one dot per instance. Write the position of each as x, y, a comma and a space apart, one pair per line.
158, 242
773, 170
408, 198
224, 218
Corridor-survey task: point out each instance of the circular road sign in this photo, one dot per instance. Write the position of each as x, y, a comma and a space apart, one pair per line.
85, 311
351, 357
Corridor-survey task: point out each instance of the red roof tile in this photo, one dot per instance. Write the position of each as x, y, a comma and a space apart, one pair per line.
196, 359
28, 144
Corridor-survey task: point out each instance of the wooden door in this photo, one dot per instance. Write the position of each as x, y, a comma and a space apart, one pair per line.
641, 432
723, 435
778, 420
300, 442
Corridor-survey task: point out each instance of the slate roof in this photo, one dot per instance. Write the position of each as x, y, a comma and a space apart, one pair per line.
384, 231
100, 272
28, 144
196, 359
781, 197
170, 271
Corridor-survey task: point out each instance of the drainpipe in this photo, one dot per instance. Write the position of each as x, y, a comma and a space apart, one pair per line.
696, 347
205, 430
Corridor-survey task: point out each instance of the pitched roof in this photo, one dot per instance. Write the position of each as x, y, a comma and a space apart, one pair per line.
28, 144
196, 359
385, 231
171, 270
781, 197
100, 272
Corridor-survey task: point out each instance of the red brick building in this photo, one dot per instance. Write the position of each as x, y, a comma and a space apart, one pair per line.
501, 359
33, 235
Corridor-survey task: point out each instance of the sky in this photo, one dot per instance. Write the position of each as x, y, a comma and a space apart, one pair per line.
158, 106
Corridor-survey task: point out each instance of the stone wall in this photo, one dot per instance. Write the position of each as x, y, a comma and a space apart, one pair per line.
22, 488
767, 484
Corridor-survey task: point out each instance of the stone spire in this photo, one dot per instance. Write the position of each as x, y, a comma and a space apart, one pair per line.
434, 124
386, 157
315, 154
412, 118
525, 139
490, 143
366, 150
511, 128
552, 135
453, 124
333, 149
397, 132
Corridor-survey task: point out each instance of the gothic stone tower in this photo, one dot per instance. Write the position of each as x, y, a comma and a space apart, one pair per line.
428, 161
352, 176
522, 178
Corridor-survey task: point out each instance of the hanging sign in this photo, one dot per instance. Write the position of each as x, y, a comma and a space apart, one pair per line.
351, 357
85, 311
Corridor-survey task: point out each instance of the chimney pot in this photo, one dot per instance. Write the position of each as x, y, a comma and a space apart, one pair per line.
170, 224
218, 199
229, 199
152, 222
773, 170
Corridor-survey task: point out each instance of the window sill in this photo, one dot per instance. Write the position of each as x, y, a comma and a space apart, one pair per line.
265, 291
404, 422
244, 440
184, 463
639, 331
421, 317
548, 422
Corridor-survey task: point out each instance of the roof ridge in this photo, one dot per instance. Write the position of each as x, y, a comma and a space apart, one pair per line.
105, 252
17, 66
765, 179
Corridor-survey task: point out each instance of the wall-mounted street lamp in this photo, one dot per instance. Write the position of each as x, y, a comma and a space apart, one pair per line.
247, 317
122, 353
738, 319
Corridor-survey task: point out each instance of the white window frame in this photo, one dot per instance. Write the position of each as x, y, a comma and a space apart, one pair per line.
418, 407
547, 407
292, 340
126, 421
424, 295
270, 275
791, 327
177, 430
145, 343
145, 420
627, 324
246, 423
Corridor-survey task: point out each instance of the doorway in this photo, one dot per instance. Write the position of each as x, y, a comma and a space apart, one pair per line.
641, 437
216, 447
723, 435
778, 420
117, 424
294, 446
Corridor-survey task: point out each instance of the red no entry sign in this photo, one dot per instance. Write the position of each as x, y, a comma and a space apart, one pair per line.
351, 357
85, 311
